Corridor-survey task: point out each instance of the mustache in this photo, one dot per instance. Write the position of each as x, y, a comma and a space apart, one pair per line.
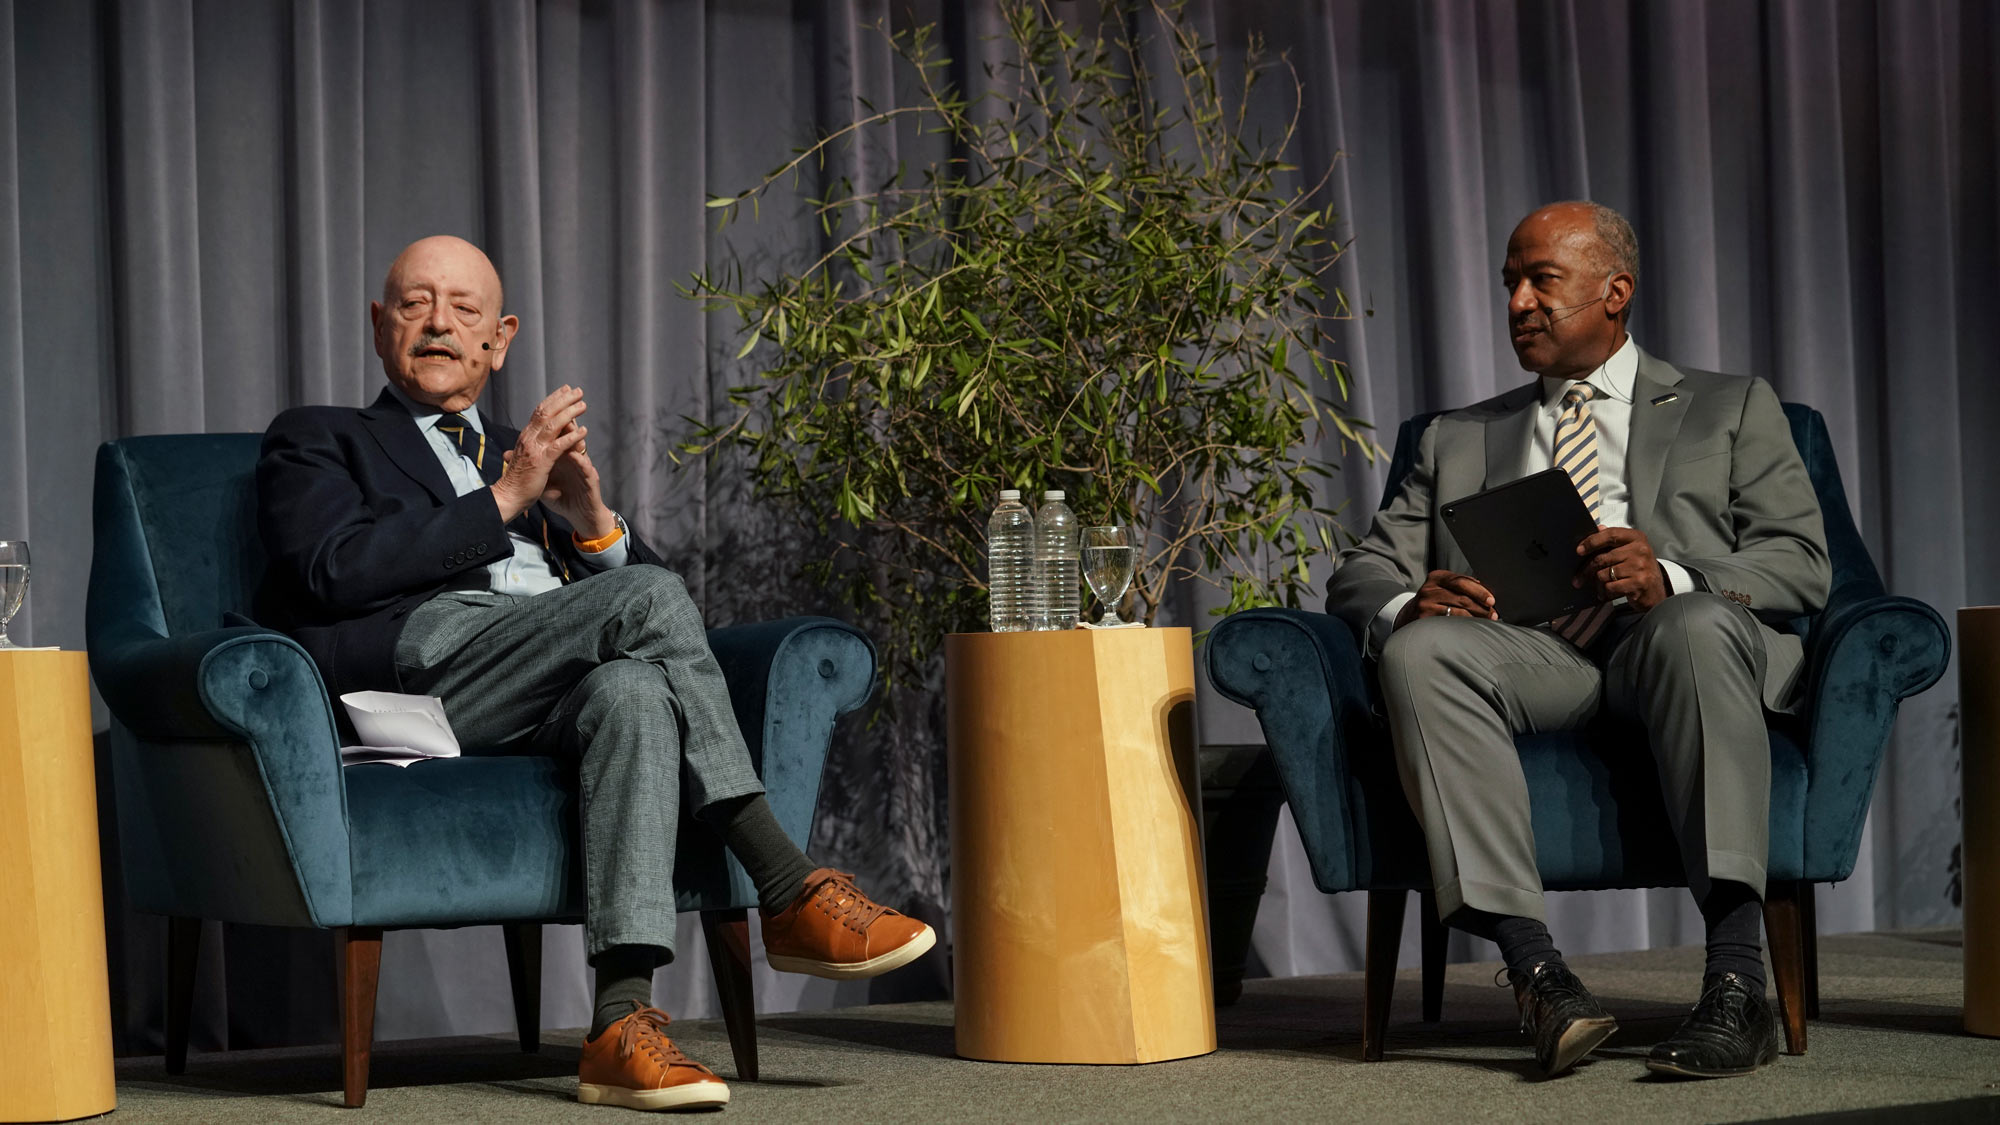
428, 341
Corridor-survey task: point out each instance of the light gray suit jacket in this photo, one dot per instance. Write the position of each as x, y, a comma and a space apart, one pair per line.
1716, 482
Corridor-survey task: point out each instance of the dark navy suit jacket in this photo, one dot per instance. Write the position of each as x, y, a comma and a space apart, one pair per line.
361, 526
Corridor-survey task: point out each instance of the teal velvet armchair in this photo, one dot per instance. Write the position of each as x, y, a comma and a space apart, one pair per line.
1598, 819
232, 803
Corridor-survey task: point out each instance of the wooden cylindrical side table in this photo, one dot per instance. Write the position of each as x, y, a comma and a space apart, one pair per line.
1979, 812
55, 1002
1077, 901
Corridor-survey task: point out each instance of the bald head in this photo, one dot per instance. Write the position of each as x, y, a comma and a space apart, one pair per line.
1599, 232
450, 252
439, 328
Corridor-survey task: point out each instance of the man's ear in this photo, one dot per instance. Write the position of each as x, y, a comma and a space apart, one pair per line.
375, 314
1618, 289
504, 336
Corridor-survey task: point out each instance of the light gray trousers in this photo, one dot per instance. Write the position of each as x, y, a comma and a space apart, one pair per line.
1691, 671
615, 671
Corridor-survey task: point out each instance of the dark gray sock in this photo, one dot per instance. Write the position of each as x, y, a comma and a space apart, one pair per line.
1735, 918
624, 983
751, 832
1524, 942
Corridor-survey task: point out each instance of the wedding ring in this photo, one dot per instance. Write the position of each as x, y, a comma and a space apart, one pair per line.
1614, 574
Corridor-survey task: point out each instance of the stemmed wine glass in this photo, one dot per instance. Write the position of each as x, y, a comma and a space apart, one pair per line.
13, 583
1107, 566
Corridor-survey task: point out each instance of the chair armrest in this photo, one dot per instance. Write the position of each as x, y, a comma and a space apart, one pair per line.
1302, 673
257, 689
1865, 656
788, 681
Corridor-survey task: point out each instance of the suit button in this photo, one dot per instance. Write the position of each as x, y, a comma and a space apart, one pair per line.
482, 548
448, 564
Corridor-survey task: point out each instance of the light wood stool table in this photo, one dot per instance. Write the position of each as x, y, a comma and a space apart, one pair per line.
1979, 776
1079, 929
55, 1001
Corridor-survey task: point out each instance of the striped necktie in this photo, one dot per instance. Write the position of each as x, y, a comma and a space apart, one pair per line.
470, 442
1576, 454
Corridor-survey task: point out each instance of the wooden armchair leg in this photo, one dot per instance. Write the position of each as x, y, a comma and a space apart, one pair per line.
1809, 929
524, 976
728, 934
1385, 935
183, 950
1781, 926
1433, 939
361, 969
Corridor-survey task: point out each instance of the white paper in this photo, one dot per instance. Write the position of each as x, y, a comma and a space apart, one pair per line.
1120, 625
397, 729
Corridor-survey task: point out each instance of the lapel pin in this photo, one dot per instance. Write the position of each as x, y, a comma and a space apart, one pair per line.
1665, 399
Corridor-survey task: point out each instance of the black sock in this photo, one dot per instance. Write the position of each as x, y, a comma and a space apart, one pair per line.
1524, 942
751, 832
624, 983
1735, 918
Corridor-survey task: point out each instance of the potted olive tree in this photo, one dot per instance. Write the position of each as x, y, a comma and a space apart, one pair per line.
1107, 286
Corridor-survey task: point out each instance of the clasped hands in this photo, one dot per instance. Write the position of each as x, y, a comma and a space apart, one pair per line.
549, 463
1617, 561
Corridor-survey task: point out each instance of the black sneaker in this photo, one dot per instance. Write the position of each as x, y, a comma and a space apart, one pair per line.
1730, 1032
1561, 1015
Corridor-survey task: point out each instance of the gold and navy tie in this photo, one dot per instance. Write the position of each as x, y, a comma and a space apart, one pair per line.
470, 442
1576, 454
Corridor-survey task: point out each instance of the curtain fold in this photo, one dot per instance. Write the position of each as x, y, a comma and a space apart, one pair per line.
198, 200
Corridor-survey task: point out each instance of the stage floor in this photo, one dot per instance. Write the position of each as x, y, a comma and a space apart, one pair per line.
1888, 1041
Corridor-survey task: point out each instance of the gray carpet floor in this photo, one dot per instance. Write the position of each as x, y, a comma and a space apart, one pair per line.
1889, 1037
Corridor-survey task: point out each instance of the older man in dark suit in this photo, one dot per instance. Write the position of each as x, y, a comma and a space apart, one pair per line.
418, 545
1708, 526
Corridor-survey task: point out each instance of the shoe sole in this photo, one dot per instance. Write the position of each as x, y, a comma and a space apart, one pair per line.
688, 1095
1665, 1066
855, 970
1579, 1039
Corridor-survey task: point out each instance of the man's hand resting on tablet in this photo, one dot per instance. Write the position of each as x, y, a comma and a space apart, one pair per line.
1619, 563
1448, 594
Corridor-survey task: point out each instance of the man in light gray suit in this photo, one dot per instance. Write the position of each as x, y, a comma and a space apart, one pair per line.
1708, 527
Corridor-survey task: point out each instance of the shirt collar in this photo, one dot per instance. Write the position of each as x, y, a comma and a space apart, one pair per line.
427, 415
1614, 380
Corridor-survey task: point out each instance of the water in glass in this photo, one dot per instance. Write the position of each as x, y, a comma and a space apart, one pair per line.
13, 583
1107, 567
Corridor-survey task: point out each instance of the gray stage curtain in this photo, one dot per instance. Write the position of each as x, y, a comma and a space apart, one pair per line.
199, 199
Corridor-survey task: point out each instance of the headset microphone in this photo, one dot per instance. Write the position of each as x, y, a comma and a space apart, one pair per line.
486, 347
1573, 308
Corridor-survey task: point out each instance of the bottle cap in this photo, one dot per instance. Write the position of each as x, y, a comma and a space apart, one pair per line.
1010, 494
1053, 494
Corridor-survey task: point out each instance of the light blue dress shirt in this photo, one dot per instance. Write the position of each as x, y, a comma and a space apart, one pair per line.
527, 571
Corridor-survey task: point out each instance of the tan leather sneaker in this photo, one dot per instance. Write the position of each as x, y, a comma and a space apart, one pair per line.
833, 930
635, 1065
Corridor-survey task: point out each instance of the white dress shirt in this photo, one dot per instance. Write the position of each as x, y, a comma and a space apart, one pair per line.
527, 571
1612, 411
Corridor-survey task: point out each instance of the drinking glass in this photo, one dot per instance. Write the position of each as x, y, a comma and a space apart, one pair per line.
13, 583
1107, 567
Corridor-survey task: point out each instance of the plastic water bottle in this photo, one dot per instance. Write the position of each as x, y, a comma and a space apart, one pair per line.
1010, 562
1055, 563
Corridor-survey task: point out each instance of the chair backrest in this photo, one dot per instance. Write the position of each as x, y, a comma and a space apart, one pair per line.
1854, 573
176, 534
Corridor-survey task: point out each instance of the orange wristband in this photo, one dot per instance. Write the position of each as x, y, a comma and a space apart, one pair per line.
593, 546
